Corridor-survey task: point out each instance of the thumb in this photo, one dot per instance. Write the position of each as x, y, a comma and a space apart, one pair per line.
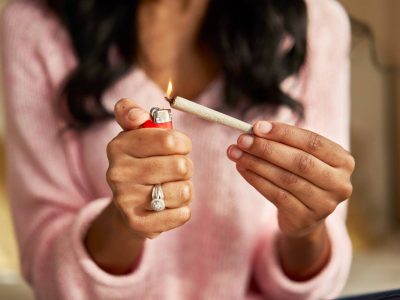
129, 115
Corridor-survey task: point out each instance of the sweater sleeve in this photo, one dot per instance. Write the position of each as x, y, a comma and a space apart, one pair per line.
51, 202
326, 101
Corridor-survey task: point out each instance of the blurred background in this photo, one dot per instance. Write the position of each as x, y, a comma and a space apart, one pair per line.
374, 216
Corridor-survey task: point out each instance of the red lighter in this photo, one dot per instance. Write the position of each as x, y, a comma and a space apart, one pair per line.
160, 118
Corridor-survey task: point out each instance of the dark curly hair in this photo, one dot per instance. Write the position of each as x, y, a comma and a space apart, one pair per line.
245, 36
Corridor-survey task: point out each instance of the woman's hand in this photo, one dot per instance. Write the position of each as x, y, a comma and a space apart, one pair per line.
305, 176
140, 158
302, 173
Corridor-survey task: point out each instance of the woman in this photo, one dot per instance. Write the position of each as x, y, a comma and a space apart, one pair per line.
81, 197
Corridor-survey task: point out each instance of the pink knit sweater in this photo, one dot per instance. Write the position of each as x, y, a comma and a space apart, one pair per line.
57, 182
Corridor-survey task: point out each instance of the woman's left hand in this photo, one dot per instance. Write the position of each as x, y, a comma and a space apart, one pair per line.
302, 173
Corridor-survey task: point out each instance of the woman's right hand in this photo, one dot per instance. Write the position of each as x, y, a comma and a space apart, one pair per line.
140, 158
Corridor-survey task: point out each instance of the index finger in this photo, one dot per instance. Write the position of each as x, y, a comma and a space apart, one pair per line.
149, 142
308, 141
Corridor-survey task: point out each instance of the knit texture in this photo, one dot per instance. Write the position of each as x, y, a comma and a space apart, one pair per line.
57, 181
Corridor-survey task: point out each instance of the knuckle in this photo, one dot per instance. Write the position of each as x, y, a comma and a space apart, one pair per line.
169, 141
112, 147
314, 142
345, 191
329, 208
115, 146
285, 132
304, 163
184, 215
328, 175
184, 166
289, 179
109, 150
266, 148
350, 162
281, 196
186, 193
114, 175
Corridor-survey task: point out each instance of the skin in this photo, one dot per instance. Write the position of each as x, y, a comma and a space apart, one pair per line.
306, 176
129, 220
303, 174
182, 56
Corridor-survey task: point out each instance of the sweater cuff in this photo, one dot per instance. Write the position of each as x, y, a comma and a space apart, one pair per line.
327, 284
79, 230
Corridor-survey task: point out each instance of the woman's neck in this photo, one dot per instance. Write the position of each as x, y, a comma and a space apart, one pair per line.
169, 47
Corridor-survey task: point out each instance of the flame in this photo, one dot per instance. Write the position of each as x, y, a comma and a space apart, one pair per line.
168, 94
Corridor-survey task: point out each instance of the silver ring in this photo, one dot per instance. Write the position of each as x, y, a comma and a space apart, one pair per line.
157, 195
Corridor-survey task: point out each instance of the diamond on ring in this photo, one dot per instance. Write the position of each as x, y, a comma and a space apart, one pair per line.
157, 195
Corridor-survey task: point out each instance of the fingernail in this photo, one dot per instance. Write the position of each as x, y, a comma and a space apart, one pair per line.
186, 192
134, 114
235, 153
246, 141
264, 127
